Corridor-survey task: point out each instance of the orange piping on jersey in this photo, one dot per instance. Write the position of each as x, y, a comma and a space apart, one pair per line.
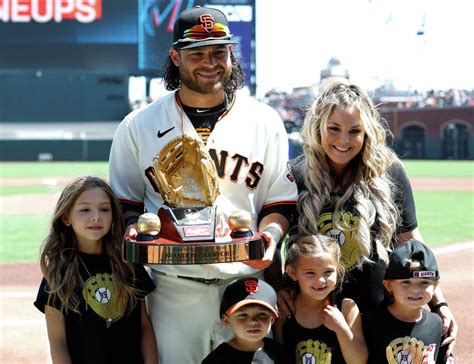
287, 202
228, 107
181, 111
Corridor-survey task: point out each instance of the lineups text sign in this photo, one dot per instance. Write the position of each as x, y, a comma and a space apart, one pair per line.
131, 36
69, 34
44, 11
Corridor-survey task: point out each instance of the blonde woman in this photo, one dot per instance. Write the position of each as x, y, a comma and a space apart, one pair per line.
353, 188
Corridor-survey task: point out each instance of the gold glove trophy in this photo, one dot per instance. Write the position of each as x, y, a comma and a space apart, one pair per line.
190, 230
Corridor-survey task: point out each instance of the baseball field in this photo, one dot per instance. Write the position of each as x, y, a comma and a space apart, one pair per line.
444, 196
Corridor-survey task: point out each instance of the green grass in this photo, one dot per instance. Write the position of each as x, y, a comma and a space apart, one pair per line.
27, 190
443, 217
53, 169
439, 168
22, 236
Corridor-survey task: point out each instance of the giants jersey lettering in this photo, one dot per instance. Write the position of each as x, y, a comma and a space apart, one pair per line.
238, 166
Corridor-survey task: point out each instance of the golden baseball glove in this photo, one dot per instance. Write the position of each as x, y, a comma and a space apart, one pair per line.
185, 174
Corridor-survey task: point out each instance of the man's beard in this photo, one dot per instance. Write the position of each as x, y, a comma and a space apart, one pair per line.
203, 87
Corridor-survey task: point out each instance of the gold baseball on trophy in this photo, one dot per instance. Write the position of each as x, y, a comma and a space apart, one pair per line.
149, 224
240, 220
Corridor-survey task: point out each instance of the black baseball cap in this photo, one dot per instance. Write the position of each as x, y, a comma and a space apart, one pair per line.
404, 254
248, 291
201, 26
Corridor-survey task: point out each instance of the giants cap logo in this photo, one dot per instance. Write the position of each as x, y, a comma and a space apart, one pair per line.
207, 22
251, 286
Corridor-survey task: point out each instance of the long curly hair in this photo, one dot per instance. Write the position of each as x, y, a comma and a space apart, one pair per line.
366, 179
59, 259
172, 78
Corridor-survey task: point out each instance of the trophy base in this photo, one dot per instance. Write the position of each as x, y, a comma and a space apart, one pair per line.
164, 251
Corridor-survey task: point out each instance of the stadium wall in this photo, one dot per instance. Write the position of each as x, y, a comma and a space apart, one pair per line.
433, 133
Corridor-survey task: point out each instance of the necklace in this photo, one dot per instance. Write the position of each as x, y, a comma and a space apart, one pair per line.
100, 299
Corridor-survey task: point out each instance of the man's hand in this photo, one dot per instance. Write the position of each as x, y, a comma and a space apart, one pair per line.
131, 232
273, 226
267, 259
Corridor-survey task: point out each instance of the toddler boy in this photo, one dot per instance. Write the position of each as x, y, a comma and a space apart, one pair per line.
248, 306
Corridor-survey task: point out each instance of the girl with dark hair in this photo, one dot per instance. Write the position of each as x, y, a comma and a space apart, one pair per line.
320, 331
92, 300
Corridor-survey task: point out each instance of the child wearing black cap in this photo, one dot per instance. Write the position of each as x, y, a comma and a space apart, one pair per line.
248, 306
401, 331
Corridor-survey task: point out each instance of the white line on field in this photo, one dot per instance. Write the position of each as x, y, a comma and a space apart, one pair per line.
454, 248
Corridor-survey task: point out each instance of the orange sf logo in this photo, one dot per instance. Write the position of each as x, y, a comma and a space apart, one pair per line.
207, 22
251, 286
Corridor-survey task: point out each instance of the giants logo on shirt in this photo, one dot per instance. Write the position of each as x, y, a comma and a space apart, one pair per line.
44, 11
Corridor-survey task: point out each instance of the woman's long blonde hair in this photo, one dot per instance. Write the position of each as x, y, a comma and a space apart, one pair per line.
59, 259
366, 179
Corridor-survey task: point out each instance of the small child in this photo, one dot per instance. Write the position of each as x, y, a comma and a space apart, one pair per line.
401, 331
92, 300
320, 332
248, 306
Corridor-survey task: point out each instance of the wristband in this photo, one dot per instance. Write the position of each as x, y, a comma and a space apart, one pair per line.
274, 232
437, 306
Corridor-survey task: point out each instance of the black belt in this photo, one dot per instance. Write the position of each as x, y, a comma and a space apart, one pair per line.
202, 280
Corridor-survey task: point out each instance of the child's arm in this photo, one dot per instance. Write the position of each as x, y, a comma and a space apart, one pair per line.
57, 335
149, 346
348, 328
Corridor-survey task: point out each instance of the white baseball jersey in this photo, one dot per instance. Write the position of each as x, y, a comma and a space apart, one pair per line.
249, 145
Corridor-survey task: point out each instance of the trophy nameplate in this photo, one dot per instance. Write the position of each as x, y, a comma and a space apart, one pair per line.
163, 251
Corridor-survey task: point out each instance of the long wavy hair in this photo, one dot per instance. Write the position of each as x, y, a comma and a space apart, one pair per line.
59, 259
172, 78
312, 245
366, 180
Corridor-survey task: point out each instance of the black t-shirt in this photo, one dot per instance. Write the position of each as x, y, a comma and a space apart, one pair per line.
271, 353
387, 337
89, 340
317, 345
362, 284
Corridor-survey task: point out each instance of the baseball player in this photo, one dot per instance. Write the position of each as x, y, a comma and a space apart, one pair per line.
249, 146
